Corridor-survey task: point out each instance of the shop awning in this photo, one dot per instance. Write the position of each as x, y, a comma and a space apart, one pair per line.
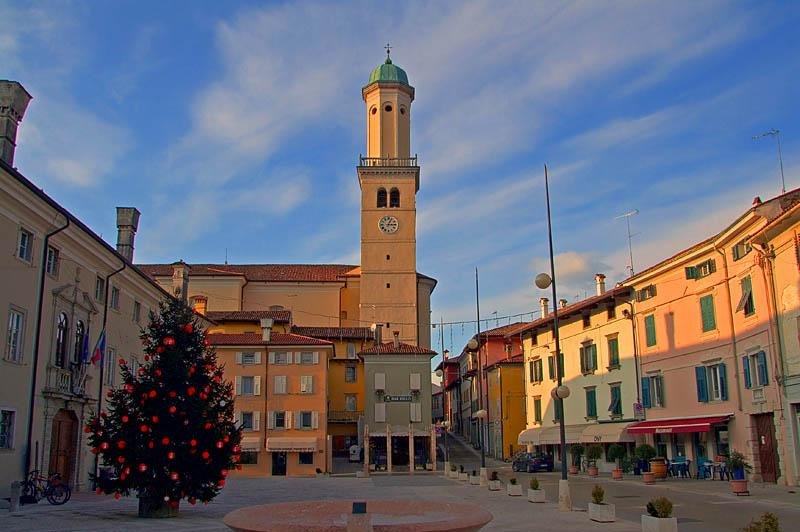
297, 445
529, 436
674, 426
551, 435
251, 444
606, 433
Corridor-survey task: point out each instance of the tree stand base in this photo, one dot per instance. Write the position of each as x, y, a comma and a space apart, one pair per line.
156, 507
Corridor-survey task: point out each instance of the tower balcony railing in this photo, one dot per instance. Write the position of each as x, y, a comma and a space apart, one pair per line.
387, 161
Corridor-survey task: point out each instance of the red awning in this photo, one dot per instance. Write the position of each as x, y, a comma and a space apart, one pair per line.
671, 426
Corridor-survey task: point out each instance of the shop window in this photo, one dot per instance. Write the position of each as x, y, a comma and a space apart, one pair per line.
305, 458
248, 457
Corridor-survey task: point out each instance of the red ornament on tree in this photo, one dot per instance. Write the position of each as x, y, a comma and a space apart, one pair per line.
191, 390
124, 419
172, 409
87, 430
157, 372
152, 394
224, 473
151, 444
172, 394
144, 428
147, 358
171, 455
142, 468
117, 496
220, 445
208, 426
165, 440
173, 476
121, 444
121, 361
169, 341
221, 483
193, 442
154, 419
174, 504
109, 394
121, 459
104, 445
205, 455
160, 349
188, 328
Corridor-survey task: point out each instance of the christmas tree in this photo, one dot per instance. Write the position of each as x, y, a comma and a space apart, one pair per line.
167, 432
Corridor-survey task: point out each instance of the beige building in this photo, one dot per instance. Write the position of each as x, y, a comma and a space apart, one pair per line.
61, 286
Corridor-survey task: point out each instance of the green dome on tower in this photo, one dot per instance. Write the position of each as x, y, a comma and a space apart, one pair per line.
388, 72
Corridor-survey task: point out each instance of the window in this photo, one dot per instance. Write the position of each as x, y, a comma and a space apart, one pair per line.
535, 370
613, 353
307, 357
591, 403
99, 289
280, 385
650, 330
248, 358
711, 383
15, 335
247, 421
62, 334
80, 339
746, 302
305, 458
534, 338
394, 198
305, 420
381, 198
551, 366
388, 285
709, 321
110, 365
611, 312
615, 408
741, 249
247, 386
248, 457
25, 245
754, 368
350, 374
380, 381
587, 320
537, 409
701, 270
350, 402
115, 298
646, 293
588, 354
306, 384
6, 429
280, 358
653, 391
351, 350
280, 419
137, 311
52, 262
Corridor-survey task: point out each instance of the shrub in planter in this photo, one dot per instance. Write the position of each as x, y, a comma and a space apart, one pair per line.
514, 489
576, 450
494, 482
767, 523
617, 452
598, 510
534, 493
659, 518
738, 466
474, 479
593, 452
645, 452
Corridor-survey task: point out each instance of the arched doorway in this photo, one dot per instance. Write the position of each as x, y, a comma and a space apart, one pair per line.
63, 444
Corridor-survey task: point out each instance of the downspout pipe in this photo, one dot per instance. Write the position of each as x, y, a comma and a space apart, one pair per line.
36, 343
730, 309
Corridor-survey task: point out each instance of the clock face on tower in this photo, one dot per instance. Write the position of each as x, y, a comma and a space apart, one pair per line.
388, 224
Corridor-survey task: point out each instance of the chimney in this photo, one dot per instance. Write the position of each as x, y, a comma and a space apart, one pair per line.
266, 328
756, 201
543, 306
180, 280
13, 102
127, 224
562, 303
600, 281
396, 339
378, 334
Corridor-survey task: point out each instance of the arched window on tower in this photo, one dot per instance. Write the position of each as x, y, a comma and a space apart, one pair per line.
80, 334
61, 340
381, 198
394, 198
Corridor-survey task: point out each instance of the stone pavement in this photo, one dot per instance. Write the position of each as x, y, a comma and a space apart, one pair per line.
89, 512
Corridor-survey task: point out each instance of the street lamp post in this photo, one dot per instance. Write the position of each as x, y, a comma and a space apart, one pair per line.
561, 392
475, 345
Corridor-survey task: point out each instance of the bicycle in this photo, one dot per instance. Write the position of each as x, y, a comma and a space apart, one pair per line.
36, 487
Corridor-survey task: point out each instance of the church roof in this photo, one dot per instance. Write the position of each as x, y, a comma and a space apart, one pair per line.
279, 339
388, 348
277, 316
388, 72
319, 273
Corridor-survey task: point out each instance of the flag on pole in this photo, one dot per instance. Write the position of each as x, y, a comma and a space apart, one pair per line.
85, 349
99, 349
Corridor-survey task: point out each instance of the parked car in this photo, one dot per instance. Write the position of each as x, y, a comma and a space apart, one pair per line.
532, 462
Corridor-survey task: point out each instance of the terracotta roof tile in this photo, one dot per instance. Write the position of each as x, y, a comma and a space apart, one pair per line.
335, 332
389, 348
502, 330
255, 339
278, 316
321, 273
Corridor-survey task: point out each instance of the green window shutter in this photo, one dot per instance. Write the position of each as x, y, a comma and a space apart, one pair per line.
748, 383
594, 357
660, 389
551, 367
707, 313
531, 372
646, 392
650, 330
702, 384
537, 410
723, 382
763, 378
691, 272
582, 355
591, 403
613, 352
561, 364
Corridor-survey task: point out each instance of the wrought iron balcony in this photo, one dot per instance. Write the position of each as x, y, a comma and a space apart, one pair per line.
387, 161
344, 416
64, 381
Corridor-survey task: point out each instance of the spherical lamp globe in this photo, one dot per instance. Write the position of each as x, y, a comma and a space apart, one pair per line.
542, 281
472, 345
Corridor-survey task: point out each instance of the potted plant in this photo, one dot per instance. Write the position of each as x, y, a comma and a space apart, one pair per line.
768, 523
474, 479
576, 450
738, 467
644, 453
494, 482
593, 452
616, 452
598, 510
453, 471
463, 476
513, 489
659, 518
535, 494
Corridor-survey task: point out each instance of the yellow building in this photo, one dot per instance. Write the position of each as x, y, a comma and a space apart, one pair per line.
505, 384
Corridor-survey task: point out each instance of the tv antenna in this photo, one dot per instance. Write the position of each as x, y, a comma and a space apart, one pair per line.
627, 217
777, 134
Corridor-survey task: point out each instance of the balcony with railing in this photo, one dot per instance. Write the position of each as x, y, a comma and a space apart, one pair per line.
387, 161
63, 381
344, 416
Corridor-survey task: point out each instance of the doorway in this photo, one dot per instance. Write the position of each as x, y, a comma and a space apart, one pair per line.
278, 464
63, 445
399, 451
767, 448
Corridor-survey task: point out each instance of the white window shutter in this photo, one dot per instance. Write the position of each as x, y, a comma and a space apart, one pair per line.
270, 419
238, 357
296, 357
380, 381
314, 420
310, 384
414, 381
271, 357
416, 412
316, 357
258, 357
287, 419
257, 385
238, 385
302, 384
380, 412
256, 421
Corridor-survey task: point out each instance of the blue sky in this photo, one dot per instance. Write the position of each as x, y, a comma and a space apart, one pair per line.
238, 126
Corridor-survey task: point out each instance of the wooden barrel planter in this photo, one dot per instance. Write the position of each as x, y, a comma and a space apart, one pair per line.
658, 466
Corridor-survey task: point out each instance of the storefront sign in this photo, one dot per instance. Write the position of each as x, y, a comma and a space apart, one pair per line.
396, 398
667, 430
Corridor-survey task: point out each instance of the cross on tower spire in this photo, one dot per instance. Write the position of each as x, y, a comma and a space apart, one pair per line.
388, 50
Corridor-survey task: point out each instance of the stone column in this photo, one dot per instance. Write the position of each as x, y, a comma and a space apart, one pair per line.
411, 448
388, 449
433, 446
329, 454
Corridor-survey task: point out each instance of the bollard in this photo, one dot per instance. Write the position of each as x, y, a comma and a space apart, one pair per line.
16, 487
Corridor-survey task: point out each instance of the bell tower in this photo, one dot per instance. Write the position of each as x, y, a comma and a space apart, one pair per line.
389, 180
